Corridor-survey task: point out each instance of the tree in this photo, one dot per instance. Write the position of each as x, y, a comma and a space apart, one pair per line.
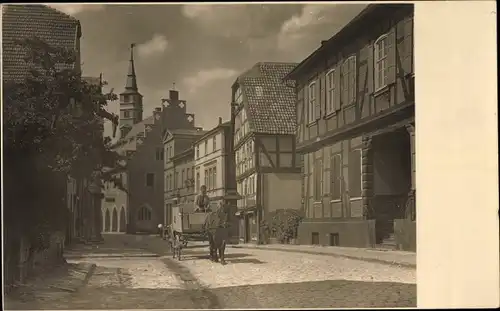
53, 122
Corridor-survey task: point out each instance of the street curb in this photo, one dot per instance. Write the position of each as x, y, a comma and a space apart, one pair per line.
375, 260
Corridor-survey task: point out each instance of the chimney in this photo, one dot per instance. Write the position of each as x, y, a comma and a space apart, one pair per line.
174, 95
323, 42
220, 120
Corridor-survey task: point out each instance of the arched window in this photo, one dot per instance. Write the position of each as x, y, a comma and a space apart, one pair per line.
348, 81
380, 62
144, 213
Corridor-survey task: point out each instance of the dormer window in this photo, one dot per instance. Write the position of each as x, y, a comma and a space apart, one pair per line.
238, 98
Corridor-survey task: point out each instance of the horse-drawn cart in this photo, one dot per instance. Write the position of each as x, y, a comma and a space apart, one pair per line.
188, 223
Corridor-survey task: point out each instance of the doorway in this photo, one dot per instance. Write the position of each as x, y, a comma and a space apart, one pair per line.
247, 228
123, 220
391, 180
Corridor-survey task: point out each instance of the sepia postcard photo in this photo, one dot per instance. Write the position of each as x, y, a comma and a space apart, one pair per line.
259, 155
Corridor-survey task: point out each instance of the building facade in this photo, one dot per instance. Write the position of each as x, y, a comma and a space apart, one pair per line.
210, 154
141, 141
264, 144
355, 130
179, 168
213, 159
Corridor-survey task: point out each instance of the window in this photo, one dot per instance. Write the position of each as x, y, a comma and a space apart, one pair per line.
348, 81
198, 181
238, 98
126, 98
126, 114
159, 154
312, 102
259, 91
150, 179
176, 180
188, 172
318, 179
214, 178
214, 144
206, 147
355, 171
144, 213
330, 95
206, 179
380, 55
183, 177
198, 151
335, 176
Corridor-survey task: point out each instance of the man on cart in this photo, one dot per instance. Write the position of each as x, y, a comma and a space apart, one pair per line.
202, 201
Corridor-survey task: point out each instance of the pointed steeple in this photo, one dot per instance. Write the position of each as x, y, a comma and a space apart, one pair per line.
131, 84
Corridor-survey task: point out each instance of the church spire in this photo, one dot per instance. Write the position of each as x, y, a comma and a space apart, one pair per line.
131, 84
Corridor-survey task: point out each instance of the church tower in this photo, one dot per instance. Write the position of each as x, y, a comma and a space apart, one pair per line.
130, 99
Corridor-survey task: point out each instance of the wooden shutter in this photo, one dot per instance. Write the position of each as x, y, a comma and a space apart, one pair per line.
322, 94
338, 88
353, 73
362, 83
408, 43
344, 83
371, 67
317, 100
391, 56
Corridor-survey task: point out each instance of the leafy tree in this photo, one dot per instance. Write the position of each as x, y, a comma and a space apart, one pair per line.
53, 122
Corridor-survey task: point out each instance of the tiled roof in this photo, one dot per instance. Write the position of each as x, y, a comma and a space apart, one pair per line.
26, 21
270, 102
140, 127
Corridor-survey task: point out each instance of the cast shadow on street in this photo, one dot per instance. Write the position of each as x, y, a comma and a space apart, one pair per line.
245, 260
204, 255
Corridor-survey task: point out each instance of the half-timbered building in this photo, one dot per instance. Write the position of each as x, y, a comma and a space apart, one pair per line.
355, 132
267, 170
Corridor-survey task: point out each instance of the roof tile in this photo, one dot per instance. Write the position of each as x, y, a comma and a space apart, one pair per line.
26, 21
270, 101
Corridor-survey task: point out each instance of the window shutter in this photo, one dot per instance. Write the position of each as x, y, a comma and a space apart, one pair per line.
338, 88
391, 56
371, 69
306, 104
322, 95
362, 71
317, 101
353, 68
408, 43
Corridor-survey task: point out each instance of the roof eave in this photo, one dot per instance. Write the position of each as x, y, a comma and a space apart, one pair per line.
292, 75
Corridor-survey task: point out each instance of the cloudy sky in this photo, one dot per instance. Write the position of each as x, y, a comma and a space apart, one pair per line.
200, 47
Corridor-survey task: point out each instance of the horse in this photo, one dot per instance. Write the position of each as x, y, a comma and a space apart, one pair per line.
177, 243
217, 230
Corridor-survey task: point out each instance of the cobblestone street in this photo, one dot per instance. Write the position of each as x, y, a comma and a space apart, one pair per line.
137, 272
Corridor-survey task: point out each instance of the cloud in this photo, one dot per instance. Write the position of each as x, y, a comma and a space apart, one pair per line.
312, 22
235, 20
157, 45
73, 9
205, 77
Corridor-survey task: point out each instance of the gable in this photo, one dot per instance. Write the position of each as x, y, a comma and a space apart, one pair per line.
167, 135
